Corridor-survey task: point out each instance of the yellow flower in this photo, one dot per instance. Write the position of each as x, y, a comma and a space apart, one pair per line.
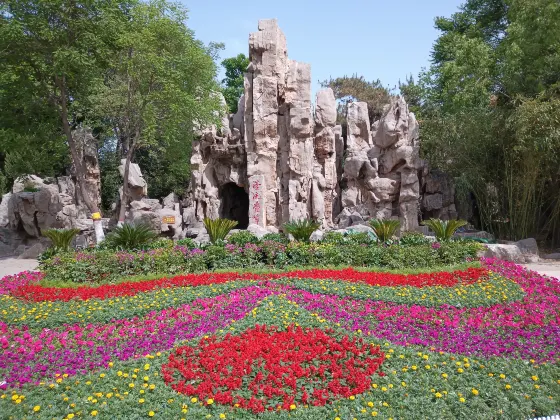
474, 391
119, 373
438, 395
337, 418
210, 401
352, 397
370, 404
102, 375
462, 399
152, 386
502, 376
222, 416
460, 370
94, 413
141, 401
110, 364
146, 378
383, 389
151, 414
147, 366
374, 413
36, 408
131, 385
535, 378
292, 407
508, 386
193, 400
70, 416
444, 375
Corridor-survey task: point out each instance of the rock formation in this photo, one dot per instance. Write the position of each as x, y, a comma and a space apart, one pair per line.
278, 159
438, 195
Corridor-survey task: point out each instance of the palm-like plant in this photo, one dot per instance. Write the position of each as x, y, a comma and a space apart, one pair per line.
218, 228
384, 229
301, 230
131, 236
61, 238
444, 229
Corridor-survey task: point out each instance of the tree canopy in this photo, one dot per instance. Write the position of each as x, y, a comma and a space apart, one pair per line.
132, 70
357, 88
489, 105
233, 82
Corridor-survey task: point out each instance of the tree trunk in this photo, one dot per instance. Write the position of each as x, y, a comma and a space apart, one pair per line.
78, 164
125, 194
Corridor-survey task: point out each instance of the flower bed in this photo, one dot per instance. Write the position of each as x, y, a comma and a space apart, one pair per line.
106, 266
37, 293
307, 345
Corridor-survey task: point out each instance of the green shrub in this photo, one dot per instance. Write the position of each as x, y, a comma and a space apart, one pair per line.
189, 243
336, 238
161, 243
61, 238
130, 237
412, 238
359, 238
218, 228
444, 229
384, 229
242, 237
301, 230
275, 237
107, 265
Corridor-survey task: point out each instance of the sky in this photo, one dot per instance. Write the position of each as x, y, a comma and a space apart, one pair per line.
386, 40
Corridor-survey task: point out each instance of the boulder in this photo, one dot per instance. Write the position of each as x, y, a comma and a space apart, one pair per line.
33, 252
148, 218
4, 210
362, 229
507, 252
257, 230
529, 249
170, 200
317, 236
553, 256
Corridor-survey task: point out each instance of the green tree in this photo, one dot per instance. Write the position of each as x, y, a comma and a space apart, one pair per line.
233, 82
489, 105
160, 86
55, 52
351, 89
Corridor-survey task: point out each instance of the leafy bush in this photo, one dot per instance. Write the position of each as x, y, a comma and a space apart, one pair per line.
242, 237
218, 228
301, 230
106, 265
444, 229
161, 243
411, 238
188, 243
130, 236
29, 186
384, 229
336, 238
275, 237
359, 238
61, 238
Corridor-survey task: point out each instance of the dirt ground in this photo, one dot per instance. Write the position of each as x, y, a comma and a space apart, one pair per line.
13, 266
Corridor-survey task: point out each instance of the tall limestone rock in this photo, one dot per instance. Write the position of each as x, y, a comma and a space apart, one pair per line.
381, 170
279, 159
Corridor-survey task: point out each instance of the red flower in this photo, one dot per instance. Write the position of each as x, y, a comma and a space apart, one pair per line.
296, 366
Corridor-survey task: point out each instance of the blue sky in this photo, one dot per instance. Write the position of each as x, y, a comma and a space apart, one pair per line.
385, 40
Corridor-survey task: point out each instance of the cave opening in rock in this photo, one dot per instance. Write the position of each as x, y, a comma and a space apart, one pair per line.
235, 204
